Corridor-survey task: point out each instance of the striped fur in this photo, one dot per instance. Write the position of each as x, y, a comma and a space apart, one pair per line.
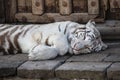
49, 40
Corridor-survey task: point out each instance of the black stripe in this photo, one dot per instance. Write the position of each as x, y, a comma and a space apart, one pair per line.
85, 35
2, 25
66, 28
13, 30
16, 41
25, 31
11, 47
59, 28
7, 27
79, 29
22, 26
2, 37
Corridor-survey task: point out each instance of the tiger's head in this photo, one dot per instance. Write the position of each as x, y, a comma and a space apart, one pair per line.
85, 39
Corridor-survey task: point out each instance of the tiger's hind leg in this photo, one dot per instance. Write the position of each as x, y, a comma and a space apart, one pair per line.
42, 52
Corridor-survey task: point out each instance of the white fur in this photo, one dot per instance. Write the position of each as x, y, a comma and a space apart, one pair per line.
49, 40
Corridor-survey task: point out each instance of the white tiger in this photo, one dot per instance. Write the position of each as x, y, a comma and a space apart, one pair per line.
47, 41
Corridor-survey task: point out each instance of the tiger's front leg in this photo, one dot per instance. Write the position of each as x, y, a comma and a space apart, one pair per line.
42, 52
60, 42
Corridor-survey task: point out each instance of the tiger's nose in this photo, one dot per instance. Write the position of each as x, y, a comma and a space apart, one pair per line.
78, 45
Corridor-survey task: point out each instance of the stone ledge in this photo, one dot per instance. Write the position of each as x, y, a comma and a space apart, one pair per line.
94, 57
113, 57
9, 68
89, 66
38, 69
17, 57
83, 70
113, 72
10, 63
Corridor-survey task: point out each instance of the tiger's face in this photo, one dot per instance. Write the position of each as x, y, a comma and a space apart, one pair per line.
86, 40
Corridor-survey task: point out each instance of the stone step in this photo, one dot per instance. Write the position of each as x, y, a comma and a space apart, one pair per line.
10, 63
83, 70
113, 73
96, 66
38, 69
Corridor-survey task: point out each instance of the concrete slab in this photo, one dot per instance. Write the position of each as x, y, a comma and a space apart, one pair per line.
10, 63
110, 23
38, 69
5, 57
9, 68
113, 44
113, 57
61, 58
113, 73
113, 47
19, 57
1, 53
16, 57
83, 70
88, 57
114, 50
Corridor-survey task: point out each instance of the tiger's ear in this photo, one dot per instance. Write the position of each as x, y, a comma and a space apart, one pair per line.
91, 22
